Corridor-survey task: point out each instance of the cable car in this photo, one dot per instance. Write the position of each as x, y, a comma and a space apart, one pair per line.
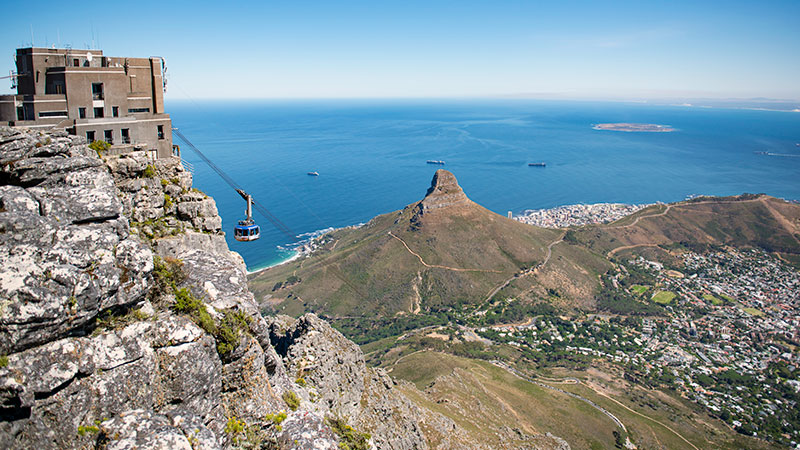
247, 230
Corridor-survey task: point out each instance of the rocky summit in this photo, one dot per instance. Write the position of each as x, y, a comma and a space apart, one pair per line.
444, 192
126, 322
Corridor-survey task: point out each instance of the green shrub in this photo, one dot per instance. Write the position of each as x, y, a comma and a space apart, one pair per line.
100, 147
231, 326
234, 426
111, 320
300, 381
276, 419
187, 303
164, 182
3, 361
291, 399
167, 201
149, 171
349, 438
167, 274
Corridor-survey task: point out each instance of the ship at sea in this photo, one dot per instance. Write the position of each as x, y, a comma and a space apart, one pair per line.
435, 161
313, 174
537, 164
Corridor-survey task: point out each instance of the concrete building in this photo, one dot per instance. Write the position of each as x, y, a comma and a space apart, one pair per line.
118, 100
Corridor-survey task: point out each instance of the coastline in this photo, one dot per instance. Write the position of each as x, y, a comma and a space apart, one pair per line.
296, 254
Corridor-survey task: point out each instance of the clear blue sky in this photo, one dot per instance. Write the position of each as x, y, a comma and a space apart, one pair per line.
578, 49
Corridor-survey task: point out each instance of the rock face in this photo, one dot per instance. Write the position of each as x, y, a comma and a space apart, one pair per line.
65, 249
443, 193
126, 322
341, 385
444, 196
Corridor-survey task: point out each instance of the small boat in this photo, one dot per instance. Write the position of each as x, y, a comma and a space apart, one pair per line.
313, 174
435, 161
539, 164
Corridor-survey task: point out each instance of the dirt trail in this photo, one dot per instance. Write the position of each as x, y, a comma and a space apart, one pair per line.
788, 226
598, 392
526, 272
777, 215
436, 266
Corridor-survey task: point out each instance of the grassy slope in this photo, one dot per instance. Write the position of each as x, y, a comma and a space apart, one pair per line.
370, 272
766, 222
482, 398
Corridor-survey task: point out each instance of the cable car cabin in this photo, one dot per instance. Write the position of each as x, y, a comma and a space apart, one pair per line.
246, 231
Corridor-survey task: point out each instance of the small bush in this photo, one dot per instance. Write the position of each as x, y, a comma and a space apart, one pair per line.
234, 426
89, 429
115, 321
187, 303
100, 147
167, 274
164, 182
229, 330
300, 381
276, 419
291, 399
3, 361
149, 171
349, 438
167, 201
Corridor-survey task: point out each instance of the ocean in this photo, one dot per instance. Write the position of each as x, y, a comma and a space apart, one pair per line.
371, 157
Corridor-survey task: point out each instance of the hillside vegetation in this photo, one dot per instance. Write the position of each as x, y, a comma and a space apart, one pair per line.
744, 221
484, 398
430, 255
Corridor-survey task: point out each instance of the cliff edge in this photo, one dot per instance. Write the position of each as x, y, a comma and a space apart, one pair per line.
126, 322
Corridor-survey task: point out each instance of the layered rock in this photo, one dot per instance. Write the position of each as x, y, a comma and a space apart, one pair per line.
340, 384
65, 248
126, 322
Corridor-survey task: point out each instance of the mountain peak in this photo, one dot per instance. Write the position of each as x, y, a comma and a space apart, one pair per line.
444, 192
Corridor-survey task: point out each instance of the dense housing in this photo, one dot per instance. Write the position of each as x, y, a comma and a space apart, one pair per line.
118, 100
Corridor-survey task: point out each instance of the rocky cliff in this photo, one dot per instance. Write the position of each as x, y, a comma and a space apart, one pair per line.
126, 322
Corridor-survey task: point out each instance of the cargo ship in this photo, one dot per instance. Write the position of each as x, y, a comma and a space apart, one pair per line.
435, 161
539, 164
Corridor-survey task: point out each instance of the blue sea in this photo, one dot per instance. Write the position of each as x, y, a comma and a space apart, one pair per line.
371, 157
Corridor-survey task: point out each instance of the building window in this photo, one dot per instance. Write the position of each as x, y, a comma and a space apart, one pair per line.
126, 136
138, 110
82, 113
90, 136
53, 114
59, 88
97, 91
108, 135
98, 112
20, 113
76, 62
115, 111
161, 131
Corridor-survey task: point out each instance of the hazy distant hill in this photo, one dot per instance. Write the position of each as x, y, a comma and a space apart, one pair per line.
442, 250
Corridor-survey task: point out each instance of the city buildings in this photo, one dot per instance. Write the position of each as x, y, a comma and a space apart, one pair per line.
115, 99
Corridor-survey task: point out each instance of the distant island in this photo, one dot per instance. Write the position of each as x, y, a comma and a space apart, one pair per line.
632, 127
